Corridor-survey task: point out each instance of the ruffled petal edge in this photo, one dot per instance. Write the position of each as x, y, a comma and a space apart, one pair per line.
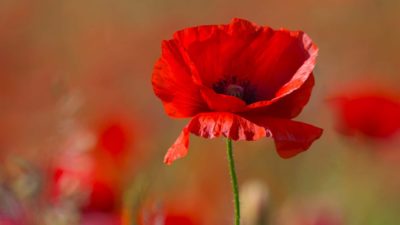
290, 137
212, 125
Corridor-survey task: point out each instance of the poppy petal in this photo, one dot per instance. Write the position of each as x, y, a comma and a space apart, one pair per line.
289, 106
213, 48
212, 125
179, 149
173, 84
289, 59
220, 102
290, 137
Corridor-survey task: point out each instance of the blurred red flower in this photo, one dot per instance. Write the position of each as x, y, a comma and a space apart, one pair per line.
94, 170
103, 197
115, 137
167, 216
372, 113
241, 80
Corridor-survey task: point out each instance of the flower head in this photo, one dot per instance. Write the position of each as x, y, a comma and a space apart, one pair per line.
241, 81
115, 137
91, 172
370, 112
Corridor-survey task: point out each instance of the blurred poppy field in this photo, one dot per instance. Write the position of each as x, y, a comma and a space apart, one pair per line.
84, 131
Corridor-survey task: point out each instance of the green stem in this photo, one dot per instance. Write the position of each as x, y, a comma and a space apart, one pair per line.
235, 186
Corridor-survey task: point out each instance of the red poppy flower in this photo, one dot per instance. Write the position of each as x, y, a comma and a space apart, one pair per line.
92, 171
115, 137
102, 198
241, 81
372, 113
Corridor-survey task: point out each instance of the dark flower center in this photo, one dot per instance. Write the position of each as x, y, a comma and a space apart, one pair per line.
234, 90
237, 88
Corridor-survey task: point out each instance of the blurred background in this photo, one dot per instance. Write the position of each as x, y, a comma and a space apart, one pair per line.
82, 136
